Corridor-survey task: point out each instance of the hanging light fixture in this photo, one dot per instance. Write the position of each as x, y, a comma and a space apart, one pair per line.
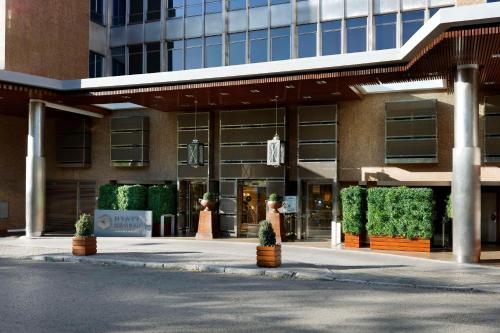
276, 147
195, 149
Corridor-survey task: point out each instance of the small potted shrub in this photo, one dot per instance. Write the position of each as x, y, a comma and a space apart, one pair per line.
207, 201
274, 202
268, 252
84, 241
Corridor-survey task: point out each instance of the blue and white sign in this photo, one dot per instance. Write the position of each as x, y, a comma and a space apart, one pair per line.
289, 205
123, 223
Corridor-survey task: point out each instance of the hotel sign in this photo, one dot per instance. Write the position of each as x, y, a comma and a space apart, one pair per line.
123, 223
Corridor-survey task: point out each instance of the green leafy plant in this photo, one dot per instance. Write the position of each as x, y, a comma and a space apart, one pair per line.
132, 197
84, 226
162, 200
449, 207
377, 215
273, 197
353, 209
267, 236
208, 196
107, 197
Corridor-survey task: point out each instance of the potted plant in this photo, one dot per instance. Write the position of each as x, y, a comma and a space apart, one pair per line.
84, 241
207, 201
353, 211
274, 202
268, 252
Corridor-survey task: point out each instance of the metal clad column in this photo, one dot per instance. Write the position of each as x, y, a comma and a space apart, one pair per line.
35, 171
466, 185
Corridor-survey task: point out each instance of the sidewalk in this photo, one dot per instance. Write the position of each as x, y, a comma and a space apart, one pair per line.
233, 257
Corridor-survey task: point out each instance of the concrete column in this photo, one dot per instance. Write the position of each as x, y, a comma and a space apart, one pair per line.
35, 171
466, 185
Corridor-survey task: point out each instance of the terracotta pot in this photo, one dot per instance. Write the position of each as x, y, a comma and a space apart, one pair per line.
274, 206
84, 246
269, 256
208, 204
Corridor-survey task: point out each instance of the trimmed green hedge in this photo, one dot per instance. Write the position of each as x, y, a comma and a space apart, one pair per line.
107, 197
353, 209
400, 211
449, 207
132, 197
162, 200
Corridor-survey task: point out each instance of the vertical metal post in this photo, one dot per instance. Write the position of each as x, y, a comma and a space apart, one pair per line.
466, 185
35, 171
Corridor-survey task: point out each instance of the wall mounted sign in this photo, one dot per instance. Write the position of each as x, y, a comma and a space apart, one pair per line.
289, 205
123, 223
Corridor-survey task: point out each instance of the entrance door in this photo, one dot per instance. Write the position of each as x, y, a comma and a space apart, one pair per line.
189, 206
253, 207
489, 217
318, 207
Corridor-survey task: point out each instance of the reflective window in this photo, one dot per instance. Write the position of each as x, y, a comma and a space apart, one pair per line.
277, 2
136, 12
306, 36
257, 3
257, 45
153, 58
175, 8
237, 4
194, 7
237, 48
193, 53
385, 31
213, 51
213, 6
412, 21
154, 10
97, 11
119, 10
433, 11
331, 37
280, 43
356, 34
175, 55
118, 60
96, 64
135, 59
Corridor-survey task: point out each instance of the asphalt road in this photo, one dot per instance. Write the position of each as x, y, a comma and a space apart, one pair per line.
65, 297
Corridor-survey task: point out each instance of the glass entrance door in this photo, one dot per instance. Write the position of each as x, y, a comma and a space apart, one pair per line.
318, 206
189, 207
253, 207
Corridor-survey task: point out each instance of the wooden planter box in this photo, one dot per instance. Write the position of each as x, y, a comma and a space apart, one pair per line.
269, 256
3, 232
400, 244
352, 241
84, 246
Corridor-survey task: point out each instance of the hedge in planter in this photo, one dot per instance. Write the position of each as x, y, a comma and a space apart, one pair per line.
132, 197
161, 200
353, 214
378, 216
107, 197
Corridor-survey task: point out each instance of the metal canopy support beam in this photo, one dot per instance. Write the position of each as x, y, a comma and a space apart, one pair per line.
466, 185
71, 109
35, 171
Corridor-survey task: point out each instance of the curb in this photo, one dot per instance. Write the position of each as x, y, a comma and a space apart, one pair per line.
251, 272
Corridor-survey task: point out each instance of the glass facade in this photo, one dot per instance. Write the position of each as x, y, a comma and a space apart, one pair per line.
97, 11
306, 38
257, 45
356, 34
96, 64
119, 12
280, 43
213, 51
175, 55
331, 37
135, 59
153, 57
136, 11
154, 10
412, 21
193, 54
385, 31
237, 48
118, 60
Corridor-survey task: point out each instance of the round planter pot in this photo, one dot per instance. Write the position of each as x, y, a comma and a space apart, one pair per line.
84, 246
269, 256
274, 206
209, 205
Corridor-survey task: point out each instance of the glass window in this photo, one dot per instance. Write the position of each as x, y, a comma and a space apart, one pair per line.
385, 31
175, 8
412, 21
237, 48
257, 3
96, 64
306, 35
119, 8
257, 40
97, 11
213, 6
153, 58
213, 51
280, 43
175, 55
331, 37
194, 7
193, 54
118, 60
277, 2
154, 10
136, 11
433, 11
356, 34
135, 59
237, 4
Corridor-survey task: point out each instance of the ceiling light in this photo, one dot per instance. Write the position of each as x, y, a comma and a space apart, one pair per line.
125, 97
185, 105
212, 104
306, 97
190, 96
489, 83
224, 94
255, 91
159, 97
290, 86
336, 93
495, 55
245, 103
321, 82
